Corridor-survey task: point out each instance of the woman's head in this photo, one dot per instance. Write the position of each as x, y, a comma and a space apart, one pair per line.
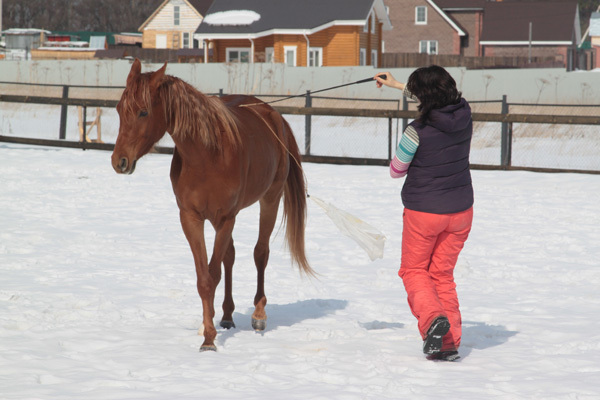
434, 87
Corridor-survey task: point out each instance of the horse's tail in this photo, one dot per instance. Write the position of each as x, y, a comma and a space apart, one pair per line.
294, 203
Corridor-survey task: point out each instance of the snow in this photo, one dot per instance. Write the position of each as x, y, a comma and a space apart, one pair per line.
98, 298
232, 17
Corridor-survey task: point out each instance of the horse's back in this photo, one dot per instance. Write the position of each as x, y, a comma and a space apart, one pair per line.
236, 100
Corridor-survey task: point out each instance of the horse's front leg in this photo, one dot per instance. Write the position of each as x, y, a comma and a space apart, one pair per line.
223, 246
193, 227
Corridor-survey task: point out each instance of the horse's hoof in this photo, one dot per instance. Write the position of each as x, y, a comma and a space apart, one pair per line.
227, 324
209, 347
259, 324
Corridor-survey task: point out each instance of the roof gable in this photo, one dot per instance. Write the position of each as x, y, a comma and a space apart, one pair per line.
200, 6
447, 18
291, 16
508, 22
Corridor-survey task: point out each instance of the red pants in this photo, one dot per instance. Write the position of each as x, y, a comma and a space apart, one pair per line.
430, 247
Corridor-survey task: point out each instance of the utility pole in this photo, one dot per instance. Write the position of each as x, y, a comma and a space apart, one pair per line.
0, 17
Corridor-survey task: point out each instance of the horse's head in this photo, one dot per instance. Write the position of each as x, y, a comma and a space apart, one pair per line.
142, 117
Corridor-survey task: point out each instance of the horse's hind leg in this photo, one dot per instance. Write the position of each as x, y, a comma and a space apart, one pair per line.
268, 216
228, 304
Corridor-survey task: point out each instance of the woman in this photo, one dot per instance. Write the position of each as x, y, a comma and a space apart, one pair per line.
438, 203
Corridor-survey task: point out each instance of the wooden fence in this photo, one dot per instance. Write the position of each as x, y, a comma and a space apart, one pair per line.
504, 118
415, 60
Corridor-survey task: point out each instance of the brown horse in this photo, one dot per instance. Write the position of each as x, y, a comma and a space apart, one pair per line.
230, 152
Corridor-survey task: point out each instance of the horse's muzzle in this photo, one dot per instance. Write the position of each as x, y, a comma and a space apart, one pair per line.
124, 166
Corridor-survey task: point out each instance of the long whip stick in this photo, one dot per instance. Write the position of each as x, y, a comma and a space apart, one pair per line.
329, 88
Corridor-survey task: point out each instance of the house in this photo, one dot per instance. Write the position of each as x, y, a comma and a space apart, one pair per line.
297, 33
468, 15
484, 28
531, 29
61, 46
20, 42
173, 23
434, 26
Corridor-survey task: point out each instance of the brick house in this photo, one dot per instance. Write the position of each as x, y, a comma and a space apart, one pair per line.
484, 28
298, 33
423, 26
172, 24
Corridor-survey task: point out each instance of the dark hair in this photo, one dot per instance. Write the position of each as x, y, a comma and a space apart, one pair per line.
434, 87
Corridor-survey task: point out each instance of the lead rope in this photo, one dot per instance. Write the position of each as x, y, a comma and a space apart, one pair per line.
280, 141
383, 76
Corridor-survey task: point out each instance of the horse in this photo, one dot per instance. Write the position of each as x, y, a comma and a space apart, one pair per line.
230, 152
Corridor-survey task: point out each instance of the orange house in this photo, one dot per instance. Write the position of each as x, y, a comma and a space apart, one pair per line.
298, 33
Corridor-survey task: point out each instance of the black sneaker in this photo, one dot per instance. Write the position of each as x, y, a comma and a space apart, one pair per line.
437, 330
444, 356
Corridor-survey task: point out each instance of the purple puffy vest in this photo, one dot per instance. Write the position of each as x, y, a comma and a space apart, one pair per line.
438, 179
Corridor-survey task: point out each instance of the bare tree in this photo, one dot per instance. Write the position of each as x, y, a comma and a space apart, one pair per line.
78, 15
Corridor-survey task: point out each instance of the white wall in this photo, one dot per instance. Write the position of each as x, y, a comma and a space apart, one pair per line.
520, 85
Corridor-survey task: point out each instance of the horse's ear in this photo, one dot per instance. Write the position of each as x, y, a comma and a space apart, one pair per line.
157, 77
136, 70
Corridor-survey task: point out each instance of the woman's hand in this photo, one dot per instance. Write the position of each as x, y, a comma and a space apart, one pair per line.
388, 81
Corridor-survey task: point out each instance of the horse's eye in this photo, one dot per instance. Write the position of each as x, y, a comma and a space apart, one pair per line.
143, 113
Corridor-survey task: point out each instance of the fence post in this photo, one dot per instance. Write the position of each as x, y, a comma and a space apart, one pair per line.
63, 115
506, 138
307, 125
390, 146
220, 92
84, 122
404, 108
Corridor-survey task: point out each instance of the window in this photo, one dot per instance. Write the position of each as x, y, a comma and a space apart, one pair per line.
269, 54
241, 55
428, 46
374, 58
161, 41
186, 40
290, 55
362, 57
315, 57
420, 15
176, 15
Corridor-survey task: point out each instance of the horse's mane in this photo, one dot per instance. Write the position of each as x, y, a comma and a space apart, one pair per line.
192, 113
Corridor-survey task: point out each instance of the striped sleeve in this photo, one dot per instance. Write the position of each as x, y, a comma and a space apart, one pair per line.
404, 153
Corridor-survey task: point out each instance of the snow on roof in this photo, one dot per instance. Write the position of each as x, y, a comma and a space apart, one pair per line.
24, 31
232, 17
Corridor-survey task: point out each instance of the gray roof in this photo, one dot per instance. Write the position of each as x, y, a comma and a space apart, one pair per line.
292, 15
201, 5
552, 21
457, 5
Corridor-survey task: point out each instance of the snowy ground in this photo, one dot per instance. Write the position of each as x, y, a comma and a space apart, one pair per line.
98, 299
